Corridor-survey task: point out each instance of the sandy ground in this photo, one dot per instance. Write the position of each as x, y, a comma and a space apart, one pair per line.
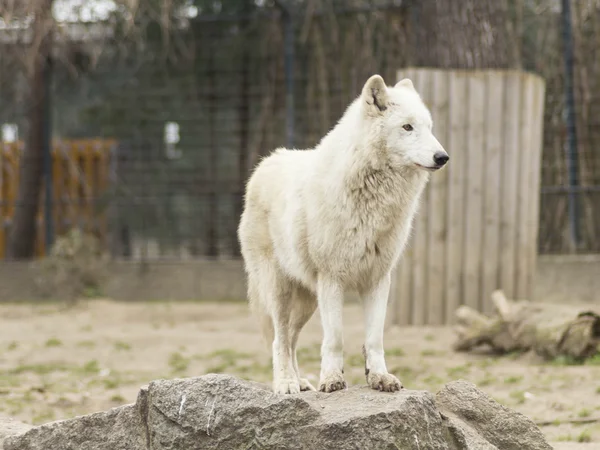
57, 363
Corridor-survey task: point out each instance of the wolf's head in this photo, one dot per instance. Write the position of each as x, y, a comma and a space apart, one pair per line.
402, 123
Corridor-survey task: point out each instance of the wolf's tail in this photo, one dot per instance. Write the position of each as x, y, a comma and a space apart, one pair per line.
264, 318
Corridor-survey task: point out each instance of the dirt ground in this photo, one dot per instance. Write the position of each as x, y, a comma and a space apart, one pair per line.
58, 362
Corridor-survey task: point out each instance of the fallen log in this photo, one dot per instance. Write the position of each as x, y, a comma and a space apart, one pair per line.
550, 330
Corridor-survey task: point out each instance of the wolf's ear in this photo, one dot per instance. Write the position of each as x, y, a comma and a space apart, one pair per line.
375, 94
405, 83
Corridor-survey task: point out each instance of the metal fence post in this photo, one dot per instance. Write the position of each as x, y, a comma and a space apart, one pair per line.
571, 144
47, 152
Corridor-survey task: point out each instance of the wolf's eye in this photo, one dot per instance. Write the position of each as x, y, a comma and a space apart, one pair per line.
408, 127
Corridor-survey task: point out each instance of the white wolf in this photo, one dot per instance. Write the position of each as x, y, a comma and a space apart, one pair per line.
337, 217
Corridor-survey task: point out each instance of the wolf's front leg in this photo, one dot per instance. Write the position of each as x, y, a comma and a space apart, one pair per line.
375, 305
330, 296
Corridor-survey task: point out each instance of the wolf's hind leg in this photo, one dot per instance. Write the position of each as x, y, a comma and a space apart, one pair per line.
304, 304
276, 296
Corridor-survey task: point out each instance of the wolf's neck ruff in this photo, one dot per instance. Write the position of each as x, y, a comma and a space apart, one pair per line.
378, 190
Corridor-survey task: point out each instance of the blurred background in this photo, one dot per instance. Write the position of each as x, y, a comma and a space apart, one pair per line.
129, 128
155, 111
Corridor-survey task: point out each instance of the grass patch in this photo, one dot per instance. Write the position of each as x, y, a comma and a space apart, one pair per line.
429, 337
12, 346
432, 382
38, 369
584, 413
43, 417
458, 371
218, 368
120, 345
515, 354
118, 398
86, 344
598, 390
53, 342
254, 369
354, 380
8, 380
594, 360
514, 379
563, 360
178, 363
355, 360
111, 383
584, 436
229, 355
406, 374
309, 354
91, 367
393, 352
92, 292
487, 362
431, 352
564, 438
487, 380
518, 396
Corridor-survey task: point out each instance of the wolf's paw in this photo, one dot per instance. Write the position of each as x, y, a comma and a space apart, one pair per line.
305, 385
384, 382
286, 386
333, 381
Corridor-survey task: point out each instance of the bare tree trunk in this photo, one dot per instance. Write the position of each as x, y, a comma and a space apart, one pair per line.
469, 34
22, 239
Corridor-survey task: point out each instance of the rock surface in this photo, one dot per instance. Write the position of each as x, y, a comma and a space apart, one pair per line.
220, 411
473, 414
9, 427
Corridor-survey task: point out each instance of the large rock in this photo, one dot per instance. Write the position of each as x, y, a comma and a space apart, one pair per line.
9, 427
477, 421
223, 412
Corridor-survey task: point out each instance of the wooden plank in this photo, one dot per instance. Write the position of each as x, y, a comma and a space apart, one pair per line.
510, 171
523, 190
492, 163
73, 157
536, 154
403, 288
455, 194
57, 186
390, 316
473, 180
437, 226
88, 184
104, 161
421, 80
3, 237
13, 179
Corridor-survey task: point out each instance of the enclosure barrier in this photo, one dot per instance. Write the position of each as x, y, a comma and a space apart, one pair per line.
80, 175
477, 226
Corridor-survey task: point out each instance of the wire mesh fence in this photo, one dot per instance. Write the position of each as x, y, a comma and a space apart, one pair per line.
194, 93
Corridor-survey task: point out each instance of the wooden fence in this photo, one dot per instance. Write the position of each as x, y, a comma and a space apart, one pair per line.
80, 175
478, 222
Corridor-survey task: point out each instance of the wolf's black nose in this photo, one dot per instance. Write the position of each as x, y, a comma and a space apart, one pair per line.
440, 158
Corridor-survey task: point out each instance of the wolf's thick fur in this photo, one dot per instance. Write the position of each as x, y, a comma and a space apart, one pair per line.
337, 217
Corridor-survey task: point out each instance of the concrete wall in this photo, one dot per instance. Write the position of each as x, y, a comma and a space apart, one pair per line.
558, 279
568, 278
